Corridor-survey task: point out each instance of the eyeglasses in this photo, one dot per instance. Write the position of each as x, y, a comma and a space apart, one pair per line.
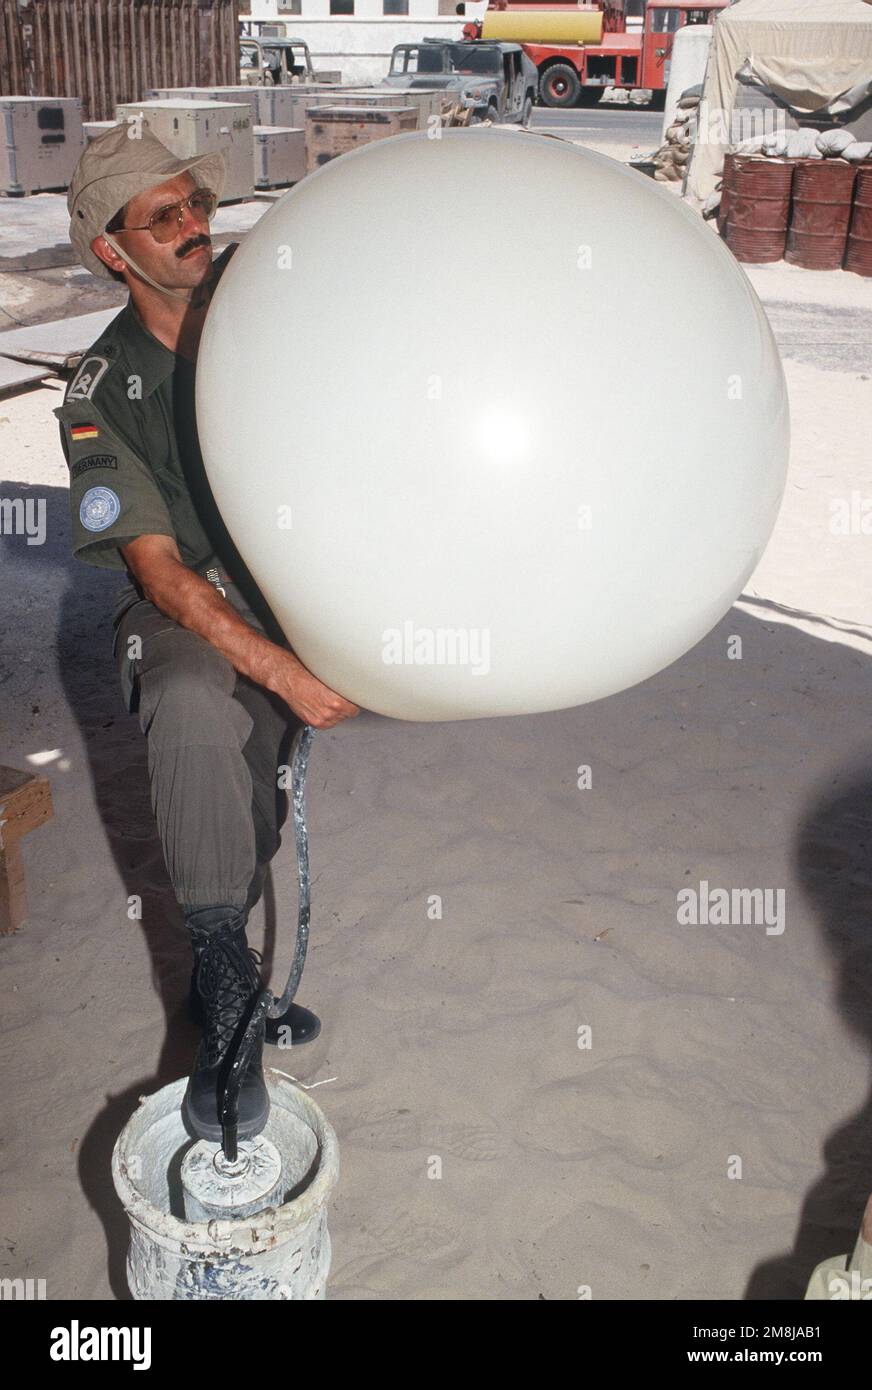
165, 222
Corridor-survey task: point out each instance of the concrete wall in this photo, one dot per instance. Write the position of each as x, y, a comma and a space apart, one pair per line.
363, 9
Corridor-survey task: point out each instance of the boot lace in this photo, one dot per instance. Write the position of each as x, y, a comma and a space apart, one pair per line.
228, 985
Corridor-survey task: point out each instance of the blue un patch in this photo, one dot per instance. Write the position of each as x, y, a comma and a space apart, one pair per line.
99, 508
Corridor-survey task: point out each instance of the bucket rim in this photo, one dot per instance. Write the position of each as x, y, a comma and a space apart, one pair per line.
249, 1235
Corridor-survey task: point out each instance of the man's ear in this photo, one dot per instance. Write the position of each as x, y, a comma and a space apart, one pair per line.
107, 254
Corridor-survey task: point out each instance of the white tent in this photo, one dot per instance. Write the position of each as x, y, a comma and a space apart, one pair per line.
813, 55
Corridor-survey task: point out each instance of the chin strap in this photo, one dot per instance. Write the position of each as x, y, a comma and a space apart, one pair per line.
186, 295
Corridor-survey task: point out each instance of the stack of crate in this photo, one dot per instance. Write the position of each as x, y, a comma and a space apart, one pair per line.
272, 135
278, 152
191, 127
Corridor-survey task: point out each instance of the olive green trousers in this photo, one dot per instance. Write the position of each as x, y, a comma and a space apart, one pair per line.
217, 744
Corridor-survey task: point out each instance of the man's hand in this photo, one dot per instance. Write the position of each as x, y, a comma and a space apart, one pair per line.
194, 603
314, 702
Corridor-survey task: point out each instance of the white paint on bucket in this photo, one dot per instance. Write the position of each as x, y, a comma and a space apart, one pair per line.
213, 1187
281, 1252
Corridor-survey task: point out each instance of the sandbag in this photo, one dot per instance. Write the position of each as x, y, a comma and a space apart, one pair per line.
860, 149
833, 142
795, 144
691, 96
753, 145
802, 144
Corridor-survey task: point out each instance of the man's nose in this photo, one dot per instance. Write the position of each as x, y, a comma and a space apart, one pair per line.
192, 226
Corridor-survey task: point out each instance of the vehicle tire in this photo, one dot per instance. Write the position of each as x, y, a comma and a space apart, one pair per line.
527, 113
559, 86
492, 115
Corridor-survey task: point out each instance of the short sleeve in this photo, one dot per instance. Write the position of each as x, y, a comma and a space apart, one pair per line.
113, 494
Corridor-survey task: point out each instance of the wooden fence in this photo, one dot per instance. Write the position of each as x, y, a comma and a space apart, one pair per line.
107, 51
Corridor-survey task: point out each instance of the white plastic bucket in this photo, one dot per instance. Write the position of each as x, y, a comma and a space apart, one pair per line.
282, 1252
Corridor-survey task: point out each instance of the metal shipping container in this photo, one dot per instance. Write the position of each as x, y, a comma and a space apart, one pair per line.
280, 155
42, 140
201, 127
234, 95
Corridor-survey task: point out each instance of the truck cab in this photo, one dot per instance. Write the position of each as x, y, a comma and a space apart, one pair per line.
627, 58
663, 19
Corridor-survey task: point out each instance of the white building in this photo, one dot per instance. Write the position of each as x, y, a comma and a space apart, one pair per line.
357, 36
359, 9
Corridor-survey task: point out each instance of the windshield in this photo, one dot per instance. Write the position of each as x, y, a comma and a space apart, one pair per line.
447, 58
665, 21
470, 58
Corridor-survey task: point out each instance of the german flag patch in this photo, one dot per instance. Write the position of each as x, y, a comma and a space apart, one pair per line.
83, 431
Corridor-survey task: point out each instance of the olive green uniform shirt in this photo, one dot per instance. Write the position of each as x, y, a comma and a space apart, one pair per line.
129, 434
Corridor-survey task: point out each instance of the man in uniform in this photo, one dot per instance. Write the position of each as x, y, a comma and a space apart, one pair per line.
218, 691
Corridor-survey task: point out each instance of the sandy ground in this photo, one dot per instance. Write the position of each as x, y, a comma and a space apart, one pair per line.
562, 1167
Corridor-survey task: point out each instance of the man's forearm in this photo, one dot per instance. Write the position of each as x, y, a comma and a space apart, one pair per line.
196, 604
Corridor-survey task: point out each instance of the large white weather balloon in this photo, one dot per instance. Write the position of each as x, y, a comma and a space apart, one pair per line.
497, 424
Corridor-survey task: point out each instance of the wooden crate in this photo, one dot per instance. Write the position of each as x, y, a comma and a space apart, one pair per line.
300, 98
25, 803
430, 104
334, 130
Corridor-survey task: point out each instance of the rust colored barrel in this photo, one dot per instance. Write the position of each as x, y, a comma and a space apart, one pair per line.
858, 256
726, 189
822, 195
758, 207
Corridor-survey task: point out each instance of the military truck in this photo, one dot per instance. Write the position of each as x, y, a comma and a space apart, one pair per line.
266, 59
486, 81
575, 67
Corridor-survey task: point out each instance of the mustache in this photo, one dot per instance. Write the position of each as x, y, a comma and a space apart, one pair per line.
192, 244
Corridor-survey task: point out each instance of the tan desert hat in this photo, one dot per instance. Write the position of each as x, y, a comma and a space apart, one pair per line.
115, 167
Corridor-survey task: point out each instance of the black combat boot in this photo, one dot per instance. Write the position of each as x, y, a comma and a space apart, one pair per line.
295, 1027
226, 985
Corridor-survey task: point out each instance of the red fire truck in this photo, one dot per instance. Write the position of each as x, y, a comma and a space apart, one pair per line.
623, 58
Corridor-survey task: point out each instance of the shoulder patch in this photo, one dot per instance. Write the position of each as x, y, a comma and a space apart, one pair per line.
99, 508
91, 371
94, 461
83, 429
